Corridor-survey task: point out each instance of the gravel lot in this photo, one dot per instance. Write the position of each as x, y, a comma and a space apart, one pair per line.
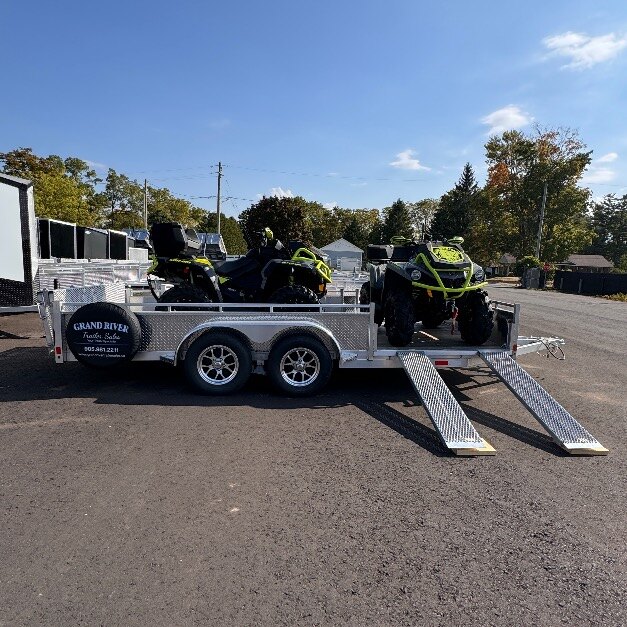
129, 500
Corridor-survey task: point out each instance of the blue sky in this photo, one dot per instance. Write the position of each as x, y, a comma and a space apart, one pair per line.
349, 103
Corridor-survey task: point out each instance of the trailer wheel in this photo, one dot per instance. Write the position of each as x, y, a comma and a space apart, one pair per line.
299, 365
103, 335
218, 363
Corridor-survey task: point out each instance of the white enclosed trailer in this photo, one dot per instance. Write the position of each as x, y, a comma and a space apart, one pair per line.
220, 345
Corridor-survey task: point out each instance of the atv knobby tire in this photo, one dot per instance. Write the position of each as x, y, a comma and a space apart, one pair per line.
364, 294
400, 318
184, 293
294, 295
364, 299
475, 319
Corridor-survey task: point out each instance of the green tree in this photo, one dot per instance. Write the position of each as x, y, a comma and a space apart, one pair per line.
322, 223
454, 215
64, 189
609, 223
229, 229
164, 207
287, 217
518, 168
422, 214
125, 201
397, 221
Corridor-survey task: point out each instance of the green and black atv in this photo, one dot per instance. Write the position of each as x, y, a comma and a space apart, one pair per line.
268, 273
429, 282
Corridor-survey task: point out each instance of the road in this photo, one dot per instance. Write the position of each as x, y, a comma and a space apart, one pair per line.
129, 500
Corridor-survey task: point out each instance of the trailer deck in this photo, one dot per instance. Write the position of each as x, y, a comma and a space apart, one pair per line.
343, 334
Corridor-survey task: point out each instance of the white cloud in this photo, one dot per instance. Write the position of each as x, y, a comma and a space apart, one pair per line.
584, 51
404, 161
506, 119
329, 205
608, 158
279, 192
598, 175
95, 165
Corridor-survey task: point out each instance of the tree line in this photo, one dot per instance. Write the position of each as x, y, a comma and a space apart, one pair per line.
524, 171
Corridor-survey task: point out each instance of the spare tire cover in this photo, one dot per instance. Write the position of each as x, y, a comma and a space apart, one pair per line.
103, 334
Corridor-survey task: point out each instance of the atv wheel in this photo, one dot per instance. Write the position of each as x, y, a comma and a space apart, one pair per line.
400, 318
294, 295
475, 319
364, 299
184, 293
364, 294
432, 322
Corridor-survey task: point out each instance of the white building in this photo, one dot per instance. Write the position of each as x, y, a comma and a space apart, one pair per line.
343, 255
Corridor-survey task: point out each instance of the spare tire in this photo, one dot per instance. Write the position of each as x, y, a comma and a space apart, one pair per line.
103, 334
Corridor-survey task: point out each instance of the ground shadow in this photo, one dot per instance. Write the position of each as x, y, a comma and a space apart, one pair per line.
30, 373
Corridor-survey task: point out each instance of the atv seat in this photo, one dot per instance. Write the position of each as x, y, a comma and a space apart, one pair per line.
235, 268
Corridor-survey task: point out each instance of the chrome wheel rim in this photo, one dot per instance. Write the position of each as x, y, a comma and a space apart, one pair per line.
217, 364
300, 367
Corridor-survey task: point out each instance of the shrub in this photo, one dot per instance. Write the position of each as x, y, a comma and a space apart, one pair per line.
526, 262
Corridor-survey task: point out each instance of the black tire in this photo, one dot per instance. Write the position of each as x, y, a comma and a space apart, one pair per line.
218, 363
364, 299
432, 322
294, 295
400, 318
184, 293
364, 294
476, 318
103, 335
299, 365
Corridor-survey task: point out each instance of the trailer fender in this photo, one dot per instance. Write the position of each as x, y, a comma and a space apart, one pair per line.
261, 336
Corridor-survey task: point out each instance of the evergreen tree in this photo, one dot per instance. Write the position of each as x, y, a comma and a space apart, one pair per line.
609, 222
454, 215
397, 221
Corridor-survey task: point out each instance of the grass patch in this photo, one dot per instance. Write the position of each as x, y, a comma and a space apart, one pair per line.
620, 297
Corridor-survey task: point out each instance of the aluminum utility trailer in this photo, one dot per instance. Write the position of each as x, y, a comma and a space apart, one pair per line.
220, 345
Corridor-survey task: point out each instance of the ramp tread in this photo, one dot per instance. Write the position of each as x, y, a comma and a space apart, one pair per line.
564, 429
449, 419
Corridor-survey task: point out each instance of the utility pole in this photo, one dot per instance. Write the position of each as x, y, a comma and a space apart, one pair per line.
218, 196
539, 240
145, 204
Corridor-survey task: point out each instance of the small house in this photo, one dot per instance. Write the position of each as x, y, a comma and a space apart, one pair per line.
586, 263
343, 255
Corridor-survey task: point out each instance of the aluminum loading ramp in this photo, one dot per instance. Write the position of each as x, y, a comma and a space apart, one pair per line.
449, 419
563, 428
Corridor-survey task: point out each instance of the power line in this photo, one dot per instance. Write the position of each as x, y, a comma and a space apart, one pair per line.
328, 175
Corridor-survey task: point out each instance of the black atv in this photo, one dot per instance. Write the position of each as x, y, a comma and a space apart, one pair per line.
268, 273
429, 282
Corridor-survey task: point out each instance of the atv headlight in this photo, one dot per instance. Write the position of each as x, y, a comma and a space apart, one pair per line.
479, 274
415, 275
